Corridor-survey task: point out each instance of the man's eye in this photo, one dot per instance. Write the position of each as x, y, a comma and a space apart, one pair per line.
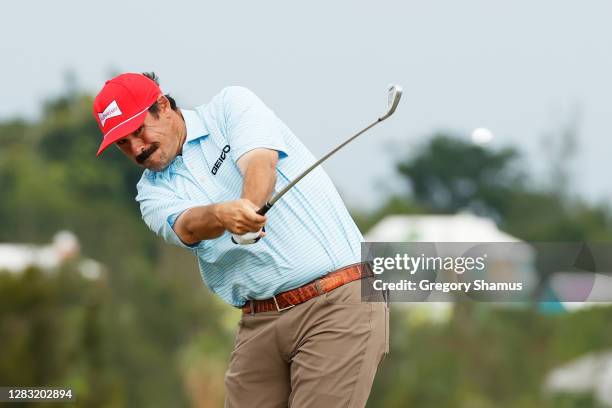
121, 142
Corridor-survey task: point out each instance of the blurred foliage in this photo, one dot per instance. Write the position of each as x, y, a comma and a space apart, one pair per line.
118, 341
149, 334
486, 357
448, 175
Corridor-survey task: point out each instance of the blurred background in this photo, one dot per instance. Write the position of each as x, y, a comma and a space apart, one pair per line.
503, 126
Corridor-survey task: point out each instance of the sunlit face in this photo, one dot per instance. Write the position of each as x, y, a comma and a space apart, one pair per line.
157, 142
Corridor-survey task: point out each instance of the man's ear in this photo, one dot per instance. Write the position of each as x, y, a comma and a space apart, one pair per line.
163, 103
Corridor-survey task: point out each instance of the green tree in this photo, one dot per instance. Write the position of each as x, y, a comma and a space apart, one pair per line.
447, 175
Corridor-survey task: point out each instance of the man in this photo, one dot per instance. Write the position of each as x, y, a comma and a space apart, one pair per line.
305, 338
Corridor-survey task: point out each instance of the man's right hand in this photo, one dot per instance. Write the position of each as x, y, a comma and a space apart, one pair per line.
240, 216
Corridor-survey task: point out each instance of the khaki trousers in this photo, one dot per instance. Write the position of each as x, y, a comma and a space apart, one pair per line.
321, 353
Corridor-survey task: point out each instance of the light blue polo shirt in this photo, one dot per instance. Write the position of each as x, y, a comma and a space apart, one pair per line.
309, 230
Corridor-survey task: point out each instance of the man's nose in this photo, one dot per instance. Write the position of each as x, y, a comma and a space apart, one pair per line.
136, 146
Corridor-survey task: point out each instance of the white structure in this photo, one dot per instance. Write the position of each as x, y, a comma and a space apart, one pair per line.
15, 258
437, 228
504, 262
588, 374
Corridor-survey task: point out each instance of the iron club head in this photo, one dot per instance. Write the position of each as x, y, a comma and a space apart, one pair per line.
394, 95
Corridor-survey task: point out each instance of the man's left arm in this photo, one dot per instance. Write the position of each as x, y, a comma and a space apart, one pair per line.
256, 137
258, 168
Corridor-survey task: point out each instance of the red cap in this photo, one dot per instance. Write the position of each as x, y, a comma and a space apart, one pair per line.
121, 106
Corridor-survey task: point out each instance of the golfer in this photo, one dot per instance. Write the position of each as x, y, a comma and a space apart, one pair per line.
306, 338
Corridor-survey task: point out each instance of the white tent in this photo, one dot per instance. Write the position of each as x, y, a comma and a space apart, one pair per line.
437, 228
463, 230
591, 373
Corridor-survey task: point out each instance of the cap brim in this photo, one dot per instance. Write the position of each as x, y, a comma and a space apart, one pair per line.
122, 130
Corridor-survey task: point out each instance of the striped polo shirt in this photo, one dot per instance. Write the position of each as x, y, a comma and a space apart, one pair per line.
309, 231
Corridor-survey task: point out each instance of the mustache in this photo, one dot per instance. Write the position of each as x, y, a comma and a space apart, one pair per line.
142, 157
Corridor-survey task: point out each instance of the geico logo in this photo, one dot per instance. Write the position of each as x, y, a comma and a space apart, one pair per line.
220, 160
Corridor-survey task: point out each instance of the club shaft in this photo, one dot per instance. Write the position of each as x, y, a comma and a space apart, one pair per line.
278, 195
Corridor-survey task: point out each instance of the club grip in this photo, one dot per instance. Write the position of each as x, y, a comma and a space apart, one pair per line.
263, 210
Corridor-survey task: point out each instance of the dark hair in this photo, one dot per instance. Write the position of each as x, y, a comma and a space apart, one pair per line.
154, 109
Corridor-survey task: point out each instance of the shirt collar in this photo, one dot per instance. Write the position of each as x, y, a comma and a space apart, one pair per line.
194, 125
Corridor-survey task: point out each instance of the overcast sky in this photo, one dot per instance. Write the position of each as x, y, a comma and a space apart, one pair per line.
523, 69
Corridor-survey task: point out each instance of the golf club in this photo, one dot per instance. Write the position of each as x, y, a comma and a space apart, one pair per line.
394, 93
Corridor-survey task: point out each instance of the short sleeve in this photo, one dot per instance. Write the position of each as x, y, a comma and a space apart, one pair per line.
250, 124
160, 206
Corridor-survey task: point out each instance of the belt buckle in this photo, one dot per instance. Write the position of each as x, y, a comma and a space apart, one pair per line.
278, 308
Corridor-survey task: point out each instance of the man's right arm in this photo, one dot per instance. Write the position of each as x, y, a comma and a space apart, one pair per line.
183, 222
211, 221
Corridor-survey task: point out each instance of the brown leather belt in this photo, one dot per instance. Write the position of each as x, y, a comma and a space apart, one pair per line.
293, 297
